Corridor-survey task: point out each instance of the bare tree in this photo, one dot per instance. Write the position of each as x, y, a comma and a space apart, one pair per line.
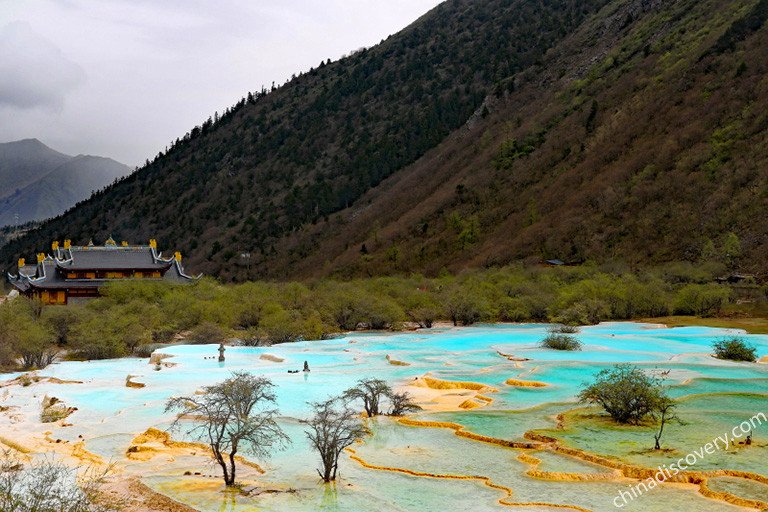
333, 427
234, 415
50, 486
666, 414
371, 392
402, 403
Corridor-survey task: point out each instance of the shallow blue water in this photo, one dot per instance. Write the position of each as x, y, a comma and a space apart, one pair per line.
110, 414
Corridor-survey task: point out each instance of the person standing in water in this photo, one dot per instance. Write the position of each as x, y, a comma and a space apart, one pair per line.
221, 353
306, 366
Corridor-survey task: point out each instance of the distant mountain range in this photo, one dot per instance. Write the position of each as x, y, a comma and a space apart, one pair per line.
487, 132
38, 183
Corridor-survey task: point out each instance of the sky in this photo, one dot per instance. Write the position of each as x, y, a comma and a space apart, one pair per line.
123, 78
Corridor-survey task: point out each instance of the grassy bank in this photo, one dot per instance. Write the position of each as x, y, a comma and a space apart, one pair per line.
133, 316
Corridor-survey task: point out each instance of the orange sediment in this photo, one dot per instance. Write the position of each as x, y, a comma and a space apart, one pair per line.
153, 442
506, 500
433, 383
130, 383
641, 473
395, 362
511, 357
470, 404
27, 379
730, 498
558, 476
13, 445
525, 383
620, 469
459, 431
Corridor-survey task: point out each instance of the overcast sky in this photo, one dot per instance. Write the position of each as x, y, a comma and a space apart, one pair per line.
122, 78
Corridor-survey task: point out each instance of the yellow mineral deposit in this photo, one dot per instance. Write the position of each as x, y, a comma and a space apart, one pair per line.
433, 383
512, 357
525, 383
157, 357
442, 395
533, 471
618, 469
129, 383
271, 357
138, 497
395, 362
30, 378
154, 442
698, 478
505, 500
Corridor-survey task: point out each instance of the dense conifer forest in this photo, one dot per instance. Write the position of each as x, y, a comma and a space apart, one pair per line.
487, 132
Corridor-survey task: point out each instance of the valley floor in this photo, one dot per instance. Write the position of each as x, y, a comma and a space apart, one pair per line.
497, 432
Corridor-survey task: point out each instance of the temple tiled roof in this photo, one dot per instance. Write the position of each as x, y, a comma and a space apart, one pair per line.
111, 258
50, 279
51, 271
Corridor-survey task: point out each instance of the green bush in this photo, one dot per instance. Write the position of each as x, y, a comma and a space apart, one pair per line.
563, 329
586, 312
513, 309
146, 349
132, 314
625, 392
561, 342
701, 299
735, 349
207, 332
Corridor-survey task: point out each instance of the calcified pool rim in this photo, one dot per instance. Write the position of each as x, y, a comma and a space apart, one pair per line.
514, 381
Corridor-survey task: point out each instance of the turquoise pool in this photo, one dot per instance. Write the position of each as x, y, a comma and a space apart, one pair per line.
715, 395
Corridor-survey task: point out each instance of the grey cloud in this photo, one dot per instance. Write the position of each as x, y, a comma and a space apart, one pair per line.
156, 69
33, 71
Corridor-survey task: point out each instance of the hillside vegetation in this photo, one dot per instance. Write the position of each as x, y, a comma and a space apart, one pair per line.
487, 132
133, 317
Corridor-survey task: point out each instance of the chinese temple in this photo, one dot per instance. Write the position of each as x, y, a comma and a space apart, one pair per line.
71, 273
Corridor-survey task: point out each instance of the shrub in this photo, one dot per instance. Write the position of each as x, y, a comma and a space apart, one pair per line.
735, 349
466, 307
585, 312
561, 342
207, 332
701, 299
625, 392
92, 339
48, 485
563, 329
513, 309
146, 349
163, 334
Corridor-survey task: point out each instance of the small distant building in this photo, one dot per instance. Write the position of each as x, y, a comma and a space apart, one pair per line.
736, 278
71, 273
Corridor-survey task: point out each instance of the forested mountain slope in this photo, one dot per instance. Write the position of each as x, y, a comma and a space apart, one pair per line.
642, 138
486, 132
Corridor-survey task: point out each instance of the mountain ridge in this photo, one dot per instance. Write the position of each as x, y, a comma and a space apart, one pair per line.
608, 111
41, 183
